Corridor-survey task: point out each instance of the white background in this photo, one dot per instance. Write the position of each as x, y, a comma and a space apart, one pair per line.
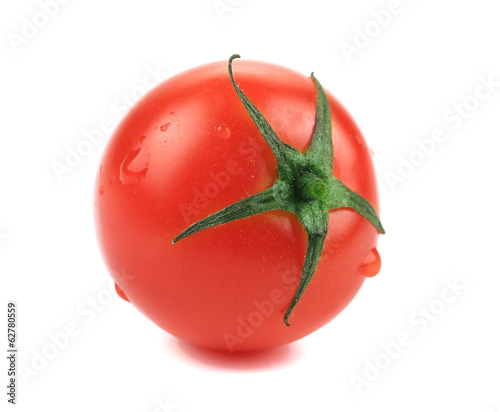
405, 80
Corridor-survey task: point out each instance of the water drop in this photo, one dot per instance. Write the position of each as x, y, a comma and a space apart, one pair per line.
120, 293
371, 265
135, 165
101, 190
165, 127
359, 139
223, 131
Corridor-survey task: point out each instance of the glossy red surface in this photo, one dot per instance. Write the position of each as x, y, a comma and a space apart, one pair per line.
188, 149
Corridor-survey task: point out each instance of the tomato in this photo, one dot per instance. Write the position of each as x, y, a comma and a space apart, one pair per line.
188, 150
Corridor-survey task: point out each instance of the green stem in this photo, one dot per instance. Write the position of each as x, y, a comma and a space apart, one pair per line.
311, 187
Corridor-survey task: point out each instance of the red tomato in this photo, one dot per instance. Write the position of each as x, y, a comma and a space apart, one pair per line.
188, 149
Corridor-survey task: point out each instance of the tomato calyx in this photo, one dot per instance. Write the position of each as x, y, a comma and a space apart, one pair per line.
305, 186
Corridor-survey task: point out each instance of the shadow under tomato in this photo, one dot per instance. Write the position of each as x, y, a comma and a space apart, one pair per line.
239, 361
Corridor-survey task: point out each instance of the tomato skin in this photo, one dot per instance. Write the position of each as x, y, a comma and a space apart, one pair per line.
189, 149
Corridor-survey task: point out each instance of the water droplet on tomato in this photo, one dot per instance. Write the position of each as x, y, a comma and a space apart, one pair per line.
371, 265
142, 138
165, 127
135, 166
101, 190
223, 131
359, 140
121, 293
